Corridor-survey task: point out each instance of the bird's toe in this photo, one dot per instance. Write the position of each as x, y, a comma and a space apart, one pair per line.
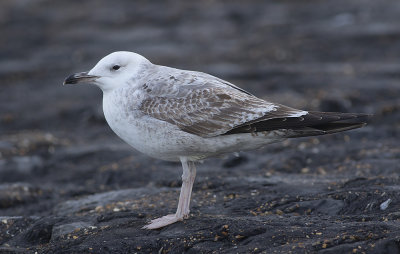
163, 221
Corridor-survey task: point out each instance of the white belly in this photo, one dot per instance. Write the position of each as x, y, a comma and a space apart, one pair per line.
162, 140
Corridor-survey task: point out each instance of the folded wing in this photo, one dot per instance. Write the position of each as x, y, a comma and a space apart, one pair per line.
207, 106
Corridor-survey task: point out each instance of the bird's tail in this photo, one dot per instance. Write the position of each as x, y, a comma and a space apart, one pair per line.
321, 123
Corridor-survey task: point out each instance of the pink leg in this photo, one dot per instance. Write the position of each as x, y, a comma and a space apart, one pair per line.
188, 176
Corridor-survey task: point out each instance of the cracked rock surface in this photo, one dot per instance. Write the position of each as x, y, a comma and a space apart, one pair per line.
69, 185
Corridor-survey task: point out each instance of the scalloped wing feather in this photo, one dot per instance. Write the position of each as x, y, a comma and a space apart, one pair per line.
204, 105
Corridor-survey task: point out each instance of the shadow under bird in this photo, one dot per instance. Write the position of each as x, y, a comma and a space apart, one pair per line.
187, 116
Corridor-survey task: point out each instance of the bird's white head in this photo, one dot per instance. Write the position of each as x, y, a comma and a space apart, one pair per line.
112, 71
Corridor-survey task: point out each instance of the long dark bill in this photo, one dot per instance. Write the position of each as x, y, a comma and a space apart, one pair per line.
81, 77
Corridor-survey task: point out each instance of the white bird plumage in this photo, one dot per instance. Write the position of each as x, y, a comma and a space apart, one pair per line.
168, 113
174, 115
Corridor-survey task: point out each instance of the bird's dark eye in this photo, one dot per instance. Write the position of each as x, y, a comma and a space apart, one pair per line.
116, 67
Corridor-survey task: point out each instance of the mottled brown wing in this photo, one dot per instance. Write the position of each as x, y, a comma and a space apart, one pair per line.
204, 105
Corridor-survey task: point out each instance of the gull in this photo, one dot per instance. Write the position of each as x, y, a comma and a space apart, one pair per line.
188, 116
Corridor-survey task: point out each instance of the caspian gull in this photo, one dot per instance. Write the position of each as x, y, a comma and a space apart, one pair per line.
180, 115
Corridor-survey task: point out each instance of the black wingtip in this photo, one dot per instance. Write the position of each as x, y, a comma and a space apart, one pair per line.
312, 124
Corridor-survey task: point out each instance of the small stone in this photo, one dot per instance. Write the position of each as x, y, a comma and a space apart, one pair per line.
385, 204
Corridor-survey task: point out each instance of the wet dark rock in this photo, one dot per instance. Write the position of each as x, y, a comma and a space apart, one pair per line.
12, 226
321, 206
39, 232
388, 246
19, 167
64, 229
18, 193
91, 202
69, 185
335, 105
235, 161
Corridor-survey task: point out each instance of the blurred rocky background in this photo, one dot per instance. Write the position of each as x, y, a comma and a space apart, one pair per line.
69, 185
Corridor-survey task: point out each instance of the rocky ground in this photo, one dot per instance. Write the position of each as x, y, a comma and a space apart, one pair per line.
69, 185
